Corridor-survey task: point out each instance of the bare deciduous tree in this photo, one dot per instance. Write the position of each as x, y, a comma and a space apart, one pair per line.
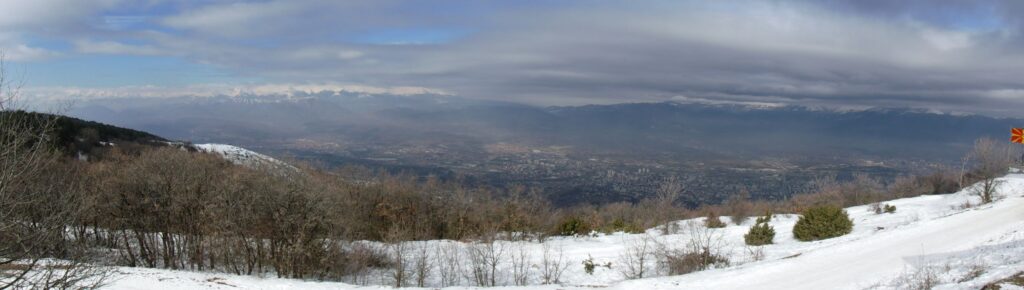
36, 203
400, 257
638, 254
520, 262
422, 264
992, 159
484, 258
667, 193
553, 264
449, 256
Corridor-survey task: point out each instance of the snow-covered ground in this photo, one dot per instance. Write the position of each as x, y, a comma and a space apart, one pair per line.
241, 156
960, 248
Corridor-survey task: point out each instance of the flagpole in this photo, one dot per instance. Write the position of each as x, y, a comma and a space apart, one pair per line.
1017, 136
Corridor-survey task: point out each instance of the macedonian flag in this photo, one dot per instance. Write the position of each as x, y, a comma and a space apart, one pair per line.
1017, 135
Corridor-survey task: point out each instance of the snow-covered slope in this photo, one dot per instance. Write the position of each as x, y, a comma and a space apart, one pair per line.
241, 156
928, 235
928, 225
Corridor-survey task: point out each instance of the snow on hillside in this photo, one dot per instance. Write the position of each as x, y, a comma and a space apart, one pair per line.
240, 156
961, 248
880, 247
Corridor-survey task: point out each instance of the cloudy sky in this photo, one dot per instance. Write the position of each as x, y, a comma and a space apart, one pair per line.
964, 56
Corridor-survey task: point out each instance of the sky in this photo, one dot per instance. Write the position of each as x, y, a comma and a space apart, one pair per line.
955, 56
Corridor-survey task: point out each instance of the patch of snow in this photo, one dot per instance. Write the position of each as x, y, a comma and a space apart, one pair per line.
924, 232
241, 156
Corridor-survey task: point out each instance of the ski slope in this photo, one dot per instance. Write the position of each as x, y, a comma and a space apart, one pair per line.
925, 231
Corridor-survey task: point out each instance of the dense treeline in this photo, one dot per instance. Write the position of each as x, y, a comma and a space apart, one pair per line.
72, 135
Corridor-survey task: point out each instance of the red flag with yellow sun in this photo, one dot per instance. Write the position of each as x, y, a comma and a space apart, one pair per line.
1017, 135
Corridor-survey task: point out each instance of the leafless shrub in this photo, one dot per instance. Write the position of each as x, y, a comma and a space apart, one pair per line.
823, 190
962, 206
636, 257
973, 272
626, 217
986, 189
520, 214
422, 264
484, 258
360, 259
875, 207
552, 264
667, 194
862, 189
64, 274
756, 253
449, 257
909, 186
712, 220
520, 262
1013, 280
739, 207
400, 254
681, 261
703, 250
991, 161
941, 180
923, 278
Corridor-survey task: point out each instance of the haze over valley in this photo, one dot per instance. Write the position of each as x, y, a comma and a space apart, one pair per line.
577, 154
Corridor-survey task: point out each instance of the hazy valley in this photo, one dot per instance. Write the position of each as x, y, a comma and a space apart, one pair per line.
587, 154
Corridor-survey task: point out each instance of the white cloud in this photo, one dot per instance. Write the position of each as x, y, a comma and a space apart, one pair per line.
237, 19
945, 40
323, 53
24, 53
575, 52
21, 20
50, 14
111, 47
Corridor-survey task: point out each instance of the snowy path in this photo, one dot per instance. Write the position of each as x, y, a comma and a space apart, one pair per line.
858, 264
